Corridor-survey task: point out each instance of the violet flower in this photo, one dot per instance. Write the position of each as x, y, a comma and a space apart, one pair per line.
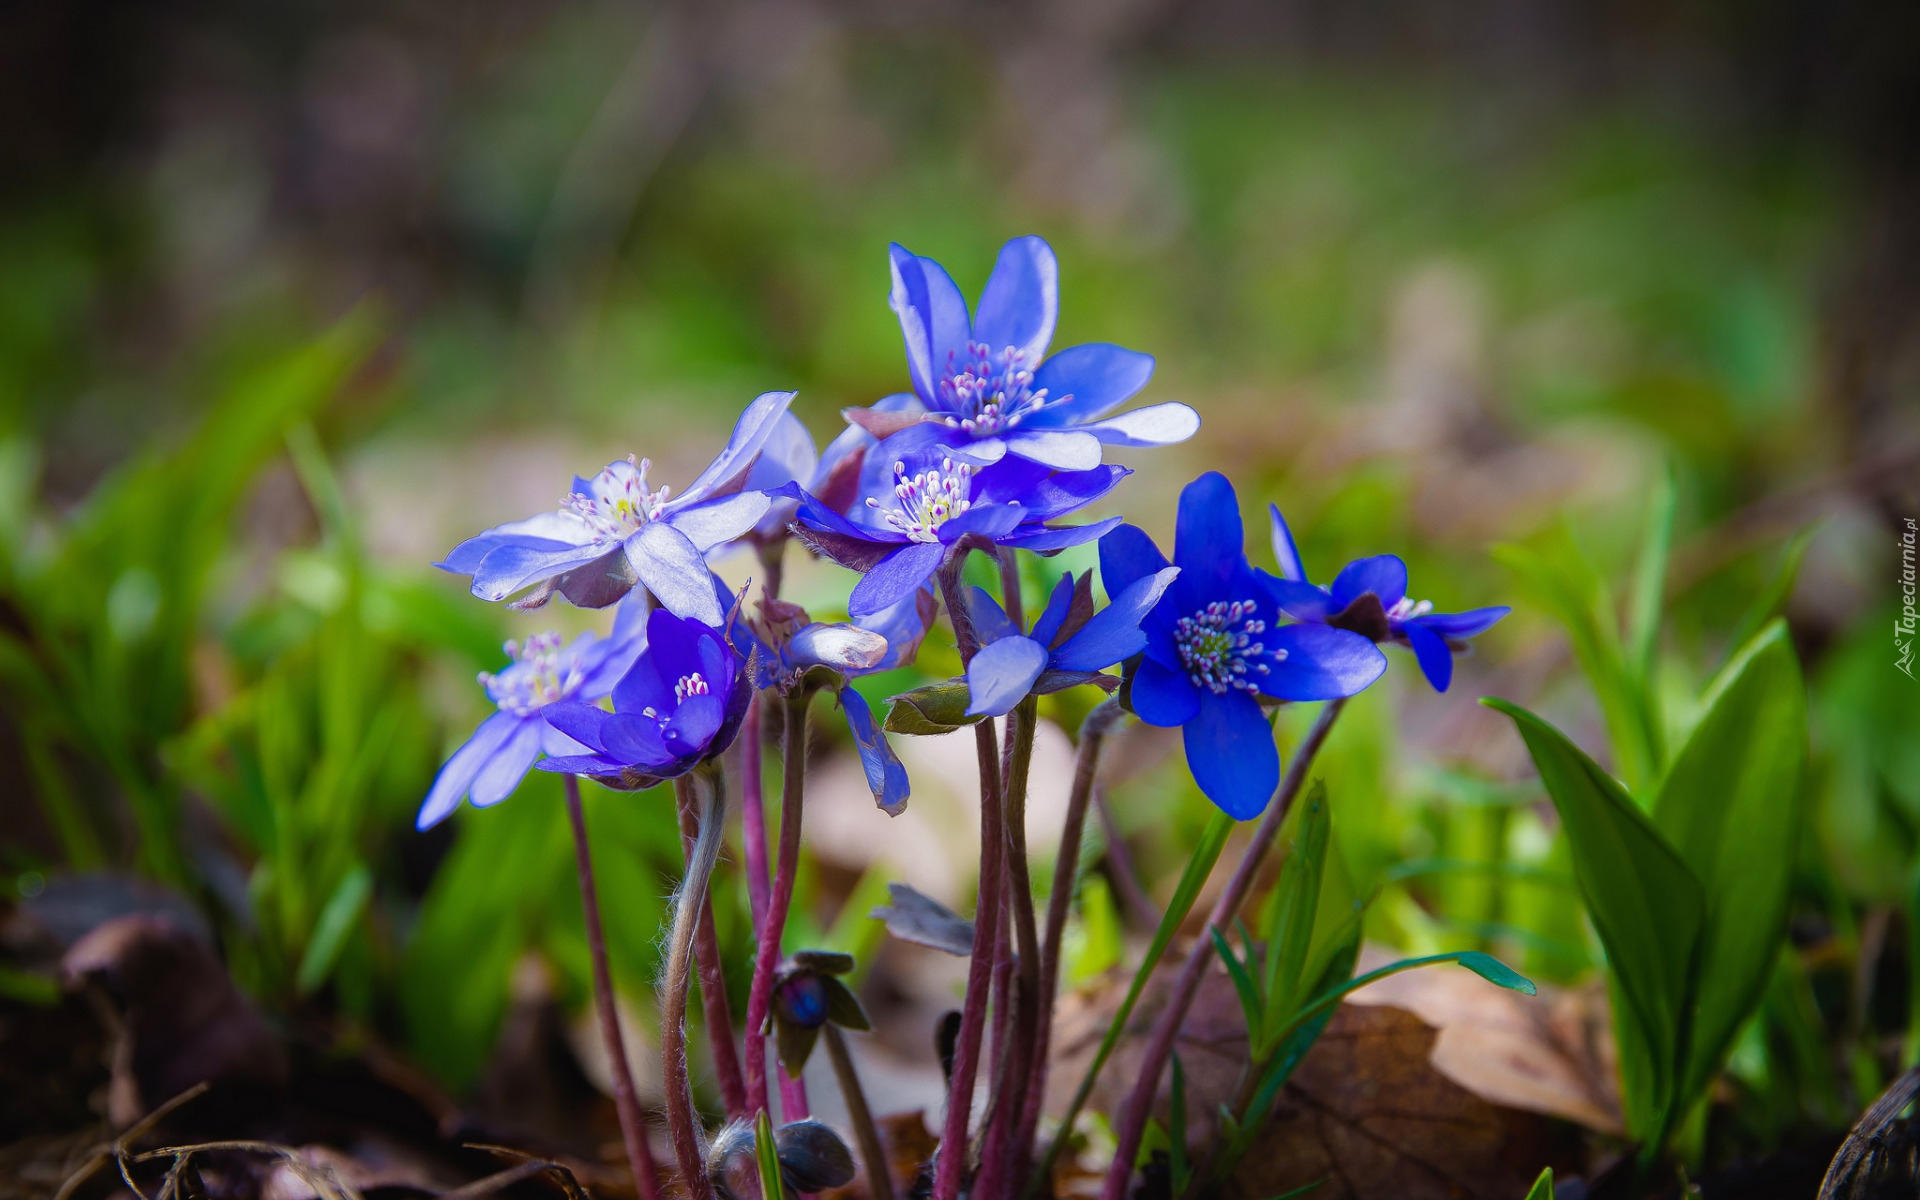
1215, 649
1369, 597
1070, 642
899, 538
544, 672
793, 651
983, 385
615, 531
678, 706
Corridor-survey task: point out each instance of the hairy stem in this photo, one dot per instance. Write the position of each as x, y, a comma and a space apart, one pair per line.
1003, 1156
774, 924
1139, 1103
753, 825
706, 956
682, 1121
1093, 737
626, 1103
873, 1152
986, 922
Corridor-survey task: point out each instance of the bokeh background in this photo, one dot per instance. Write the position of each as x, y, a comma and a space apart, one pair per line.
293, 297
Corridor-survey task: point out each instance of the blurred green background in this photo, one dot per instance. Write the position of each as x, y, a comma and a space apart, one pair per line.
292, 298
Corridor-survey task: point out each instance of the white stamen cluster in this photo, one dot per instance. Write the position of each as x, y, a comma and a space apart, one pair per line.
1216, 646
537, 678
689, 685
927, 500
987, 392
620, 502
1406, 608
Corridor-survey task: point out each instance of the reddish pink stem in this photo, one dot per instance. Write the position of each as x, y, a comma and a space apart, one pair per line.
1146, 1086
793, 1095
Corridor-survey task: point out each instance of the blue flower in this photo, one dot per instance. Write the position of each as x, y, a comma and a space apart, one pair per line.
1369, 597
983, 385
679, 705
544, 672
899, 537
1070, 642
789, 646
615, 531
1215, 648
789, 456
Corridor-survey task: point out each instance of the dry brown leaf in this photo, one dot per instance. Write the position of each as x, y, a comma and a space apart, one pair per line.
1552, 1053
1367, 1113
1367, 1110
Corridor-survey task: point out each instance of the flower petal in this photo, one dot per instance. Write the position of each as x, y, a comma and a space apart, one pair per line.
1001, 674
1436, 658
457, 776
933, 316
543, 531
637, 741
1054, 616
842, 647
895, 577
584, 723
1087, 382
1154, 425
1208, 544
1021, 300
1465, 624
1065, 450
1114, 633
509, 567
1320, 664
787, 457
1231, 753
990, 621
988, 520
1297, 598
886, 776
508, 765
1045, 540
720, 521
1285, 554
675, 571
727, 473
1163, 697
1385, 575
1128, 555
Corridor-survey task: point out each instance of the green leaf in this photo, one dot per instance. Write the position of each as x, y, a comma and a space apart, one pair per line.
1243, 984
1650, 584
1647, 906
1769, 603
1542, 1188
1560, 579
1485, 966
1295, 906
1733, 806
930, 710
337, 919
1302, 1190
766, 1156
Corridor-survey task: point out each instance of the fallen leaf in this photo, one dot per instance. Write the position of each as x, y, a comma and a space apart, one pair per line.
1368, 1113
178, 1018
1552, 1053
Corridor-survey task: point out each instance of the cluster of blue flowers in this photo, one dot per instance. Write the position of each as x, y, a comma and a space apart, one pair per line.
996, 444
